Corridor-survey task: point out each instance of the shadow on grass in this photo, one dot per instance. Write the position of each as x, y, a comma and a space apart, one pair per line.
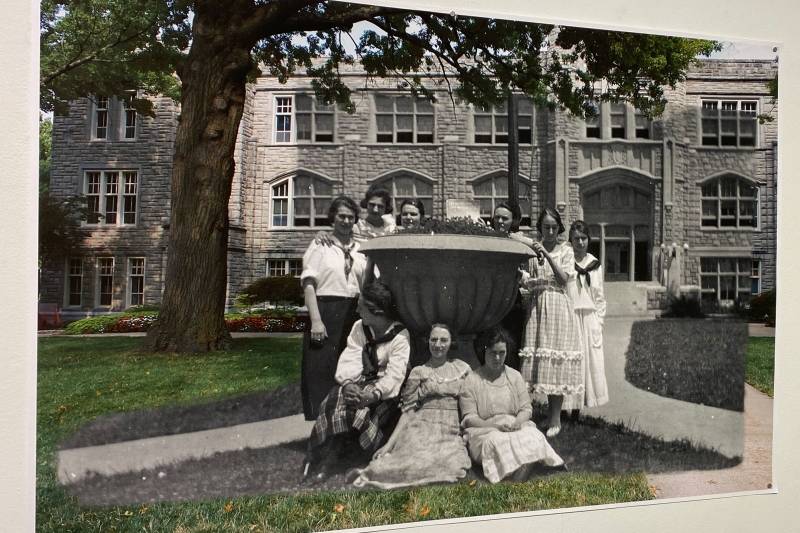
254, 407
694, 360
587, 445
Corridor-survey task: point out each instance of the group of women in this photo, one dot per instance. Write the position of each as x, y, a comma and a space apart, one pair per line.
430, 424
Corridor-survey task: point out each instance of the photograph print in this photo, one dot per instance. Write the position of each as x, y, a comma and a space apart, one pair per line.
312, 265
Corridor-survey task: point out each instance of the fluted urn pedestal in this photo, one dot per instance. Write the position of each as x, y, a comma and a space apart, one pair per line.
468, 282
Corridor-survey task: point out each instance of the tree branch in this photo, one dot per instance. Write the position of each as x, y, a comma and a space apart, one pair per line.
92, 56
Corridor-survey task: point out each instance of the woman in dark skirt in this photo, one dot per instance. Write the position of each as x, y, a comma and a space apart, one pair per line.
364, 402
331, 278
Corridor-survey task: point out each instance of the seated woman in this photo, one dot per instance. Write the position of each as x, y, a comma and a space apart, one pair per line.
426, 446
496, 412
370, 373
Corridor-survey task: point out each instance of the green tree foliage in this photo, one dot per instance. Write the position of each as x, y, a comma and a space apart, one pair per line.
59, 225
45, 144
110, 46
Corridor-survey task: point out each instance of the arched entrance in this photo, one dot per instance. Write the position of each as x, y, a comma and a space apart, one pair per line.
619, 212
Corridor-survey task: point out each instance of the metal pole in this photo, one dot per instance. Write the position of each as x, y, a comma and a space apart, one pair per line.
513, 150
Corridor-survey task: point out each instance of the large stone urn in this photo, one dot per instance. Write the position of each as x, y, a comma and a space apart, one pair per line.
466, 281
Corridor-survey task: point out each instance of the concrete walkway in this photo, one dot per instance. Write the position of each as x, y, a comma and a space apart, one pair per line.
120, 457
669, 419
753, 473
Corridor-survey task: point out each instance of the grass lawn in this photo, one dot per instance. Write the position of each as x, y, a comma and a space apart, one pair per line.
80, 379
760, 369
694, 360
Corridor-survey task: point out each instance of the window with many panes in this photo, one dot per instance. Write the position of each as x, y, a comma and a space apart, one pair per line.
74, 281
593, 123
300, 202
642, 125
105, 281
755, 276
725, 278
409, 187
491, 123
284, 267
100, 117
729, 122
403, 119
284, 106
617, 117
113, 117
111, 196
491, 191
301, 118
128, 117
729, 202
135, 280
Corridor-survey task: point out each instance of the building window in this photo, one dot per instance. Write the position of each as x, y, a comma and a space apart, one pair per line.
615, 116
729, 202
105, 194
491, 123
100, 126
729, 122
642, 125
755, 276
301, 202
409, 187
300, 118
284, 267
105, 280
74, 281
283, 119
494, 190
403, 119
128, 117
725, 279
617, 119
135, 281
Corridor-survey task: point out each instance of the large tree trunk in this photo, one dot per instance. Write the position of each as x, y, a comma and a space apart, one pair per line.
213, 91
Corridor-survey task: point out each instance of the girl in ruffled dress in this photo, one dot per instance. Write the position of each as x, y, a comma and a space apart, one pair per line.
551, 357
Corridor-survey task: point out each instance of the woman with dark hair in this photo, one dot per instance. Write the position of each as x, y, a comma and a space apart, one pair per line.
369, 375
588, 300
412, 213
331, 279
551, 360
496, 416
506, 218
426, 446
379, 221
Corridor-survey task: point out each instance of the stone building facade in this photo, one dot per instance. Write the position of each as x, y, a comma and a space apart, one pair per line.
686, 201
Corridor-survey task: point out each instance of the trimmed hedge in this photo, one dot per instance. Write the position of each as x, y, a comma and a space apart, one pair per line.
281, 290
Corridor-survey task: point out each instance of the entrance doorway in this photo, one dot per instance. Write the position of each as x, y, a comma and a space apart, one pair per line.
619, 218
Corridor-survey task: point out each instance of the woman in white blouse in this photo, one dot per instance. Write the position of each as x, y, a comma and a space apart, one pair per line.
331, 279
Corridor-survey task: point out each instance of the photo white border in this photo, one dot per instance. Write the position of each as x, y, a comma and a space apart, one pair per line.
740, 20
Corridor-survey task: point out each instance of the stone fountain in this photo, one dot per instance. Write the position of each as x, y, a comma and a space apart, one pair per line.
466, 281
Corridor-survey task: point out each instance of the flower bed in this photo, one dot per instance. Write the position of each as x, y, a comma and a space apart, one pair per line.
279, 322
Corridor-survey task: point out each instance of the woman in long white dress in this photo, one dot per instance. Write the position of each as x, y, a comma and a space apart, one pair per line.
586, 292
